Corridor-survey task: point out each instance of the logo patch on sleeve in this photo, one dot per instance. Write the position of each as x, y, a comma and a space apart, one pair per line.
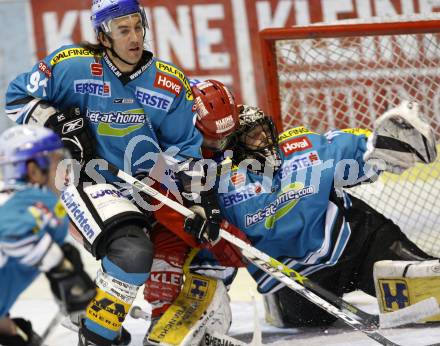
168, 83
295, 145
161, 66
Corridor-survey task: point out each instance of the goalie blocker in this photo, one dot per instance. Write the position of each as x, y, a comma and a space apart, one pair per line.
400, 284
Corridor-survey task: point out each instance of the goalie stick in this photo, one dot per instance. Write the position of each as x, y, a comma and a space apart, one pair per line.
362, 322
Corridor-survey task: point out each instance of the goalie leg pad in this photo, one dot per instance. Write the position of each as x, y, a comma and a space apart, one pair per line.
402, 283
202, 304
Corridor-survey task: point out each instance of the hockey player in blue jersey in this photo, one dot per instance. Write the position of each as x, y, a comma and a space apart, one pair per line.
285, 192
33, 228
116, 101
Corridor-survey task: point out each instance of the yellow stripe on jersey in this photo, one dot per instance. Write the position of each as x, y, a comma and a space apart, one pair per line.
358, 131
71, 53
294, 132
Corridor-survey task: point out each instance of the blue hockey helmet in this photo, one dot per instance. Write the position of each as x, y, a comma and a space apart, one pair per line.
21, 144
103, 11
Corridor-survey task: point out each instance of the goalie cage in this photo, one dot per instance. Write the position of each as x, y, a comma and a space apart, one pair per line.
346, 75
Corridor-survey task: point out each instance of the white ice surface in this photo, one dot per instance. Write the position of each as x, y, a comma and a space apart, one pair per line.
37, 306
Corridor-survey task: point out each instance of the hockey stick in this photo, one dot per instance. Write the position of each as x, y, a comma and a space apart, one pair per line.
56, 319
273, 267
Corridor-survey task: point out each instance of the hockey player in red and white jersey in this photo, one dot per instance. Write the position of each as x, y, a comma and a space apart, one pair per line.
181, 258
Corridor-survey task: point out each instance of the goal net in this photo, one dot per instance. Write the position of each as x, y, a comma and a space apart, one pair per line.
345, 76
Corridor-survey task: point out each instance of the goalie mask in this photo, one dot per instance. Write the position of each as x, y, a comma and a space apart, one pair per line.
217, 114
256, 138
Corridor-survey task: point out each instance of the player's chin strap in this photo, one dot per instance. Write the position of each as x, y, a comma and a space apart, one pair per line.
331, 303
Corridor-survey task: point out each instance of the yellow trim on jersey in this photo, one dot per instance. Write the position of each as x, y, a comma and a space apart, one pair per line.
37, 213
107, 310
177, 73
71, 53
59, 210
358, 131
294, 132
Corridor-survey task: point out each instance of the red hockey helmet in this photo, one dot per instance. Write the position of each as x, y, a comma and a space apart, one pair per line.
217, 114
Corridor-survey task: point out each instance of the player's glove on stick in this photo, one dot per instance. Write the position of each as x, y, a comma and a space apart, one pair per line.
402, 137
205, 225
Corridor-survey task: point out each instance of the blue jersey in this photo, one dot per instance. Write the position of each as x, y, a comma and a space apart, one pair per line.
296, 217
29, 218
146, 111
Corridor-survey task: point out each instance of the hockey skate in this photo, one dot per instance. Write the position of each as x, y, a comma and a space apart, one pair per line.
88, 338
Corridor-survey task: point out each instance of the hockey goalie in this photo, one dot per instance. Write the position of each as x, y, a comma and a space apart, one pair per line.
305, 219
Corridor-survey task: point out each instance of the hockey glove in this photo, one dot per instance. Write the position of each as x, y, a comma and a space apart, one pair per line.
69, 283
402, 137
205, 224
71, 126
25, 335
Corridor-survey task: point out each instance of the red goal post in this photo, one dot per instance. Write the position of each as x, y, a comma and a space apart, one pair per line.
346, 75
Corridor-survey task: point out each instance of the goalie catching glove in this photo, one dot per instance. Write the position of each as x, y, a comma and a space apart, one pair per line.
70, 125
402, 137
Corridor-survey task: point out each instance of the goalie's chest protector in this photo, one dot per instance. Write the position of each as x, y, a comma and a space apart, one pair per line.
126, 112
292, 215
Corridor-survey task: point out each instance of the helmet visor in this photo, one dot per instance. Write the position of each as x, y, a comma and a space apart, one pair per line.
125, 26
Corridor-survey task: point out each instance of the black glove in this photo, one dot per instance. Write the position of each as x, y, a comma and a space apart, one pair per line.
25, 336
71, 126
205, 225
70, 284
